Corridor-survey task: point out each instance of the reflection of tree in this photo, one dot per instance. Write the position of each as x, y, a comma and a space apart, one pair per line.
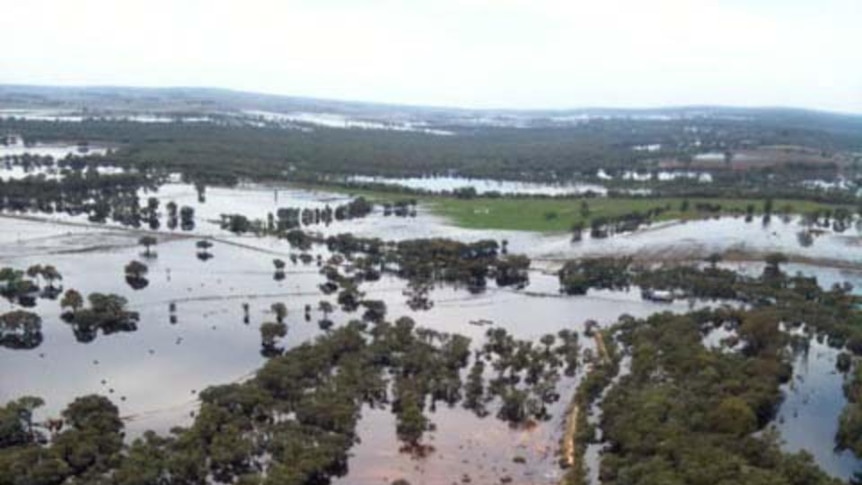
203, 249
135, 272
137, 283
148, 242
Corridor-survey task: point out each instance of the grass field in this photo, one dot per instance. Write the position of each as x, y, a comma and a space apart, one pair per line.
558, 215
550, 215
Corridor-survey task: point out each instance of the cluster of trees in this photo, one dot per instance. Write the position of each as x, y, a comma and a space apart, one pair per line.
686, 414
287, 219
450, 261
24, 287
774, 296
578, 276
101, 197
293, 423
20, 329
31, 163
107, 313
87, 450
427, 261
522, 375
603, 226
839, 218
400, 208
579, 432
849, 436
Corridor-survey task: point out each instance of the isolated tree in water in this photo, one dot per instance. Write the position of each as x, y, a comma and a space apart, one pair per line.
280, 311
203, 249
270, 333
135, 272
147, 242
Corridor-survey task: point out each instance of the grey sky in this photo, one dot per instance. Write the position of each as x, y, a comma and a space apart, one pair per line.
471, 53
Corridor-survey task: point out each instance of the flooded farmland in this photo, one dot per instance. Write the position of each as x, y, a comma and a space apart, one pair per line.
193, 331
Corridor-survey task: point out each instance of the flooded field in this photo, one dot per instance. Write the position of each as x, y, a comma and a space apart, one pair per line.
209, 342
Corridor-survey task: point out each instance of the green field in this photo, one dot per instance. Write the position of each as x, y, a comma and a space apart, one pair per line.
558, 215
555, 215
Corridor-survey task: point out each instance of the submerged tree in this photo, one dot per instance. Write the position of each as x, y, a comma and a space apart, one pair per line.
147, 242
270, 334
135, 272
280, 311
204, 246
20, 330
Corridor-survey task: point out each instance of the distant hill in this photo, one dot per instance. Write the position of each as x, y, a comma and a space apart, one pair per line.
134, 100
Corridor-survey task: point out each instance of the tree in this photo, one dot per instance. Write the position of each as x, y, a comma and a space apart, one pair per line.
136, 269
20, 329
713, 259
280, 311
773, 264
203, 249
734, 416
548, 340
270, 333
72, 299
411, 423
50, 274
35, 271
375, 310
147, 241
135, 272
16, 421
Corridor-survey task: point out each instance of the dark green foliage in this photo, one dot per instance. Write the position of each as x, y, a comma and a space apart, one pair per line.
696, 410
20, 330
89, 446
578, 276
107, 312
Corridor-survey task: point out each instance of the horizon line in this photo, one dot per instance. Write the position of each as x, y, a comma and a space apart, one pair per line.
411, 105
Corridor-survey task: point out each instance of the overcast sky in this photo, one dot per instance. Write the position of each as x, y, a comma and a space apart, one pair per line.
470, 53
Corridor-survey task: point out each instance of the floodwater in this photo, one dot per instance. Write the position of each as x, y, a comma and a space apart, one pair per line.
813, 400
54, 150
482, 186
695, 240
154, 373
18, 172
